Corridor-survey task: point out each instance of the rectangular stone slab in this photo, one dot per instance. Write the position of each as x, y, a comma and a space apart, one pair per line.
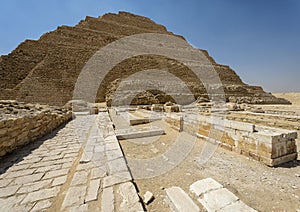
131, 133
138, 121
237, 206
203, 186
180, 200
215, 200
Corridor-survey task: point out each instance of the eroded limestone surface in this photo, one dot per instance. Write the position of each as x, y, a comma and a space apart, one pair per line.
46, 70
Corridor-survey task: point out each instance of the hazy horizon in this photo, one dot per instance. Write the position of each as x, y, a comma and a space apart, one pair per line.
258, 39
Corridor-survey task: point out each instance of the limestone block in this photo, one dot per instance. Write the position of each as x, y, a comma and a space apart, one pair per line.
28, 125
138, 133
92, 192
279, 160
130, 198
148, 197
203, 186
138, 121
117, 166
108, 200
158, 108
237, 206
242, 126
180, 201
116, 179
173, 108
41, 194
175, 121
215, 200
74, 196
114, 154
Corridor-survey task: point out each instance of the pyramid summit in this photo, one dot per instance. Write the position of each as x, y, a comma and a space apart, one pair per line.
45, 71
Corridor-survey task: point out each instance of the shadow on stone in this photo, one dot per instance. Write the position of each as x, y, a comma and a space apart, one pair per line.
18, 155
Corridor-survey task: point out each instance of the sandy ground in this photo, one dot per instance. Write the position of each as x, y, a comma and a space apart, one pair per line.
292, 97
261, 187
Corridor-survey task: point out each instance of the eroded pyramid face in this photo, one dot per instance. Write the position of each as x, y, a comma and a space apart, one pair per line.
45, 71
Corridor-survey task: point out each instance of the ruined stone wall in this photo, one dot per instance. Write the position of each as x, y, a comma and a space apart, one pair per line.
31, 123
271, 146
175, 121
290, 122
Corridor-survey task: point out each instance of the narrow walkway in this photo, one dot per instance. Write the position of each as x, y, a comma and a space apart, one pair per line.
76, 168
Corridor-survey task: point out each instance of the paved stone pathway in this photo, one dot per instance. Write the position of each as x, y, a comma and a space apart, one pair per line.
79, 167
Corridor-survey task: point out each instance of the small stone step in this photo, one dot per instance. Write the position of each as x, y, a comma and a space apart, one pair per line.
203, 186
214, 197
131, 133
137, 121
218, 199
180, 201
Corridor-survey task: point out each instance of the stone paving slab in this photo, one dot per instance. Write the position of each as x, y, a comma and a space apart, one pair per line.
218, 199
93, 189
130, 199
102, 166
137, 121
214, 197
73, 169
237, 206
180, 201
203, 186
32, 177
131, 133
109, 199
75, 196
116, 179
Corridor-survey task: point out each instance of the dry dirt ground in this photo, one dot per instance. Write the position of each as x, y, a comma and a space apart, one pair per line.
292, 97
261, 187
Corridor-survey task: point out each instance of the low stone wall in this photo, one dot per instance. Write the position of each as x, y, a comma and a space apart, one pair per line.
19, 129
271, 146
290, 122
173, 108
175, 121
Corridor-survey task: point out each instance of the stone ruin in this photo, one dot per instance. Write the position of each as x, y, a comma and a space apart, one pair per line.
40, 77
45, 70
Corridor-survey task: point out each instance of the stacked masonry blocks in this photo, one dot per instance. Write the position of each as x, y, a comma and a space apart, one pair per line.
271, 146
18, 131
273, 120
175, 121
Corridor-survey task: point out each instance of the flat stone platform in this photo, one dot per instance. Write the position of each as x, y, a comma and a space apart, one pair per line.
131, 133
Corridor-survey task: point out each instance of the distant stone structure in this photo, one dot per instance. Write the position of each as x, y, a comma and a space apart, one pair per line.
45, 71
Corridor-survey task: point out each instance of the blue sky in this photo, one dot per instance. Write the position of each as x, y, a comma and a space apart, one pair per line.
259, 39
